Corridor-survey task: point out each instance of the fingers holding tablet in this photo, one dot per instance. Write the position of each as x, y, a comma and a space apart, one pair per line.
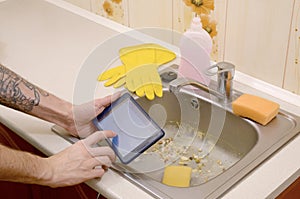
135, 130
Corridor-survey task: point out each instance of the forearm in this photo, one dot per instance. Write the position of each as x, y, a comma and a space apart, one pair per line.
23, 167
17, 93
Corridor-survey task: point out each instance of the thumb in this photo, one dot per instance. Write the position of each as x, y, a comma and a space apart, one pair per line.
97, 137
101, 103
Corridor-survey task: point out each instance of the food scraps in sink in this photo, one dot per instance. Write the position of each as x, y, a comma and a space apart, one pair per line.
203, 169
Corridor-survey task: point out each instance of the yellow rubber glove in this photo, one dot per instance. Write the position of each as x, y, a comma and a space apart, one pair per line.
144, 80
113, 75
139, 70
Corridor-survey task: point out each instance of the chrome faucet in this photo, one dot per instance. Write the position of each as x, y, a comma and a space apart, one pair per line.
225, 73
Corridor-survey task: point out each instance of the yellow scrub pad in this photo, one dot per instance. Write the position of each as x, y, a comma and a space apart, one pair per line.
177, 176
256, 108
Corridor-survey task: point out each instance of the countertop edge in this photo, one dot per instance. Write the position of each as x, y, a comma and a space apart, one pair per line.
115, 186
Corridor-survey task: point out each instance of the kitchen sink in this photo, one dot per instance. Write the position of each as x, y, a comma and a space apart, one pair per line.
203, 133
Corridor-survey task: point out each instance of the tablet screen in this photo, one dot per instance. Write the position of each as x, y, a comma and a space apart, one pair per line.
135, 130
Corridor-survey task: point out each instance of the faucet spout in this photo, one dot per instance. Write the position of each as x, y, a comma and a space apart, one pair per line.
178, 83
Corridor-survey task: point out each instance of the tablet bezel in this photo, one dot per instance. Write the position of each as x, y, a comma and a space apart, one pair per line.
139, 149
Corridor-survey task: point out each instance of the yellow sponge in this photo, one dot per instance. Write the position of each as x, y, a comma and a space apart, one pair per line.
256, 108
177, 176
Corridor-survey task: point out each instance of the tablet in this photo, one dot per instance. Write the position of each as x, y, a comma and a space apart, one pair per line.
135, 130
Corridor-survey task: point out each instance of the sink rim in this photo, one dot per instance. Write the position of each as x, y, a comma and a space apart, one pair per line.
234, 177
243, 171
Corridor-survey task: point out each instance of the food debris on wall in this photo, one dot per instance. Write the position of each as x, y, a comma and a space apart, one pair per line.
108, 8
111, 9
200, 6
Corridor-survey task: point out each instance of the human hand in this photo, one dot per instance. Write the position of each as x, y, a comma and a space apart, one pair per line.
80, 124
80, 162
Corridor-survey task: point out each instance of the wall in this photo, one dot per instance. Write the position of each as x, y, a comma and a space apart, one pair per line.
260, 37
292, 72
257, 36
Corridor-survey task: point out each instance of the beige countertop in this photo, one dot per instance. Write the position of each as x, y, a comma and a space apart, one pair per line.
48, 43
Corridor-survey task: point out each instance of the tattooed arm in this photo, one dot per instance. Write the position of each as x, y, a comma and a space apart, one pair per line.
77, 163
19, 94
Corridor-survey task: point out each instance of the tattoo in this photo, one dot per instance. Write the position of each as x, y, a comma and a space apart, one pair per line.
18, 93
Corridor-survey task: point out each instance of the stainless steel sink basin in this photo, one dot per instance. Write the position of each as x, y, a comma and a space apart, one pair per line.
235, 145
190, 123
241, 146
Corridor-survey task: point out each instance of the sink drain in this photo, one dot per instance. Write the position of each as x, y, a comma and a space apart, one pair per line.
195, 103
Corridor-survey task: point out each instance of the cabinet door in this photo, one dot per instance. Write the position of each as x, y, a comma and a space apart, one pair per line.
256, 37
292, 192
292, 73
14, 190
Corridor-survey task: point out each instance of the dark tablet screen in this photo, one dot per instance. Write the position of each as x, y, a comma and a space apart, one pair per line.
135, 130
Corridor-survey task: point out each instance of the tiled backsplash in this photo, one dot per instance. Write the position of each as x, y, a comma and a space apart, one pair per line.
249, 33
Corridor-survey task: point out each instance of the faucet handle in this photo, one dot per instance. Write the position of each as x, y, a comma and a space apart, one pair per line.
225, 70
